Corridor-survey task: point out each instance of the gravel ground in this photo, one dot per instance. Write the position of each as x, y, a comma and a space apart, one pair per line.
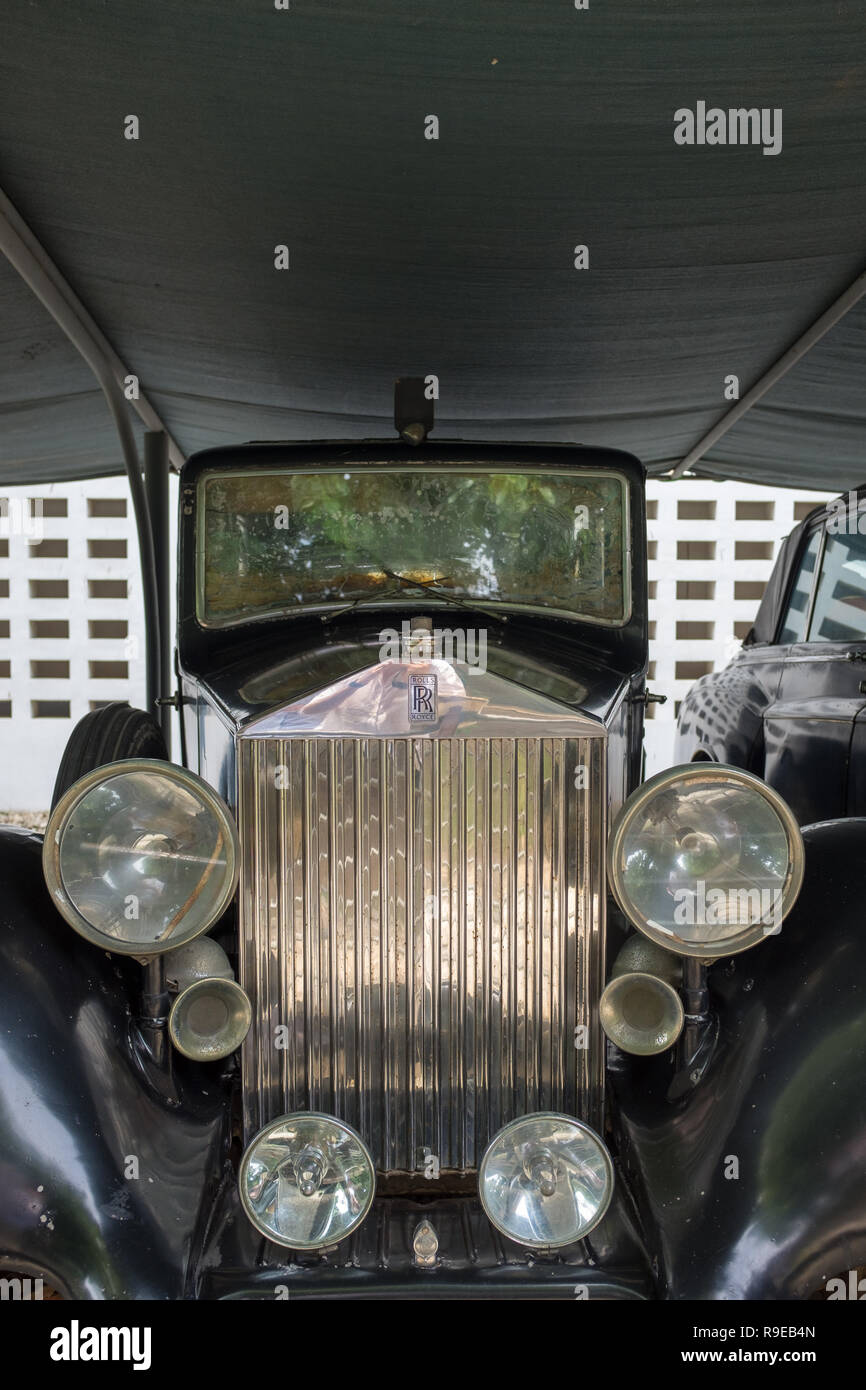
32, 820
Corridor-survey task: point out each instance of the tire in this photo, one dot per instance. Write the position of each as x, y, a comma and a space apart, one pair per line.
107, 735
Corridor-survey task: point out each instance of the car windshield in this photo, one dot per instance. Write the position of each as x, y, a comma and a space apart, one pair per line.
287, 541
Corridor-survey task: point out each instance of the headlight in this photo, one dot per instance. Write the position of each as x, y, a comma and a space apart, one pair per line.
545, 1180
140, 856
705, 860
307, 1181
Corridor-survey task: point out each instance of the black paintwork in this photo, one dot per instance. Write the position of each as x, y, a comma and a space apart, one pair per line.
81, 1091
204, 651
784, 1097
79, 1098
790, 712
376, 1262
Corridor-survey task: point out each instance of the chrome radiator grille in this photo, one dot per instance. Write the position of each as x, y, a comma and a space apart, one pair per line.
421, 925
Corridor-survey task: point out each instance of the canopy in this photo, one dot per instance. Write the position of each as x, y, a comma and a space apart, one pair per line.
305, 126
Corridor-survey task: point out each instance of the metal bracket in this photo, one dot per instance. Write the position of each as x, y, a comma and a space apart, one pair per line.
700, 1035
413, 410
648, 697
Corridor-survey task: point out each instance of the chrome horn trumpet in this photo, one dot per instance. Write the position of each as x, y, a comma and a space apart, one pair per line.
641, 1013
210, 1019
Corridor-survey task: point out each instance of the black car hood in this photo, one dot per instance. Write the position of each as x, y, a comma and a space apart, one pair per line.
260, 681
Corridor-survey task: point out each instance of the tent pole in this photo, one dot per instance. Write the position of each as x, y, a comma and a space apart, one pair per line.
35, 274
17, 229
156, 470
837, 310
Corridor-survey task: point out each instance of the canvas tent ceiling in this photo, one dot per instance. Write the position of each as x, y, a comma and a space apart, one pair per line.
408, 256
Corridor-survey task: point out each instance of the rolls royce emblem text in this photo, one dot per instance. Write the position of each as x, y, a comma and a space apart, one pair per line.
422, 699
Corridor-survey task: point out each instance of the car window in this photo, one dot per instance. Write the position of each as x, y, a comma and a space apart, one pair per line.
794, 628
840, 603
284, 540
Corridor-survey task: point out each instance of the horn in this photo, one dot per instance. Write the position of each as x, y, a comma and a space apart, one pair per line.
201, 959
210, 1019
640, 954
641, 1013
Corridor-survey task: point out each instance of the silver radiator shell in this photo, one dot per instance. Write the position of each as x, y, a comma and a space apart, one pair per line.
422, 914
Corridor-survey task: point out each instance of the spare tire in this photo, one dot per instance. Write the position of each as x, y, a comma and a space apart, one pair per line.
107, 735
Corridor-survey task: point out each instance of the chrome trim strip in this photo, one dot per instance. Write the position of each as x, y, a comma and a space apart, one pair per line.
816, 580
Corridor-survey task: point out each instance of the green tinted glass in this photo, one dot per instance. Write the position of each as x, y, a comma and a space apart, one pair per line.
280, 541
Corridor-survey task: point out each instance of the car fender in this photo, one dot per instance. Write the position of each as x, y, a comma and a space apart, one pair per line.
808, 753
106, 1162
721, 715
752, 1186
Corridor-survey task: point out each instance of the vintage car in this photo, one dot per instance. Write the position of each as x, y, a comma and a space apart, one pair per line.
791, 706
321, 1010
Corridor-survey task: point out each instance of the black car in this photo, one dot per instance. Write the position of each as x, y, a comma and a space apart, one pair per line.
791, 706
321, 1011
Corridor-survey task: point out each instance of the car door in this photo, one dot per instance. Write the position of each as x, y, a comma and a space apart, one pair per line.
722, 716
808, 729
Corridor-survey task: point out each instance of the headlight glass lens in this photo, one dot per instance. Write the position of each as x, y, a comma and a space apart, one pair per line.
307, 1181
546, 1180
705, 859
140, 856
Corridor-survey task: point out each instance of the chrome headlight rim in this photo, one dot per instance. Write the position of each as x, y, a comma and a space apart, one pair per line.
252, 1215
729, 775
60, 816
610, 1179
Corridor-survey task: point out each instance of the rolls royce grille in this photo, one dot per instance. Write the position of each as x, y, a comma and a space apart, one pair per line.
422, 922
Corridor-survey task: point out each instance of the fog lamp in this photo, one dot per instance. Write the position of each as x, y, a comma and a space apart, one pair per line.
545, 1180
307, 1181
705, 860
140, 856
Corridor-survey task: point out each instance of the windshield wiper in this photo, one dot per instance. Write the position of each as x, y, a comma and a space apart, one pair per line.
431, 586
356, 602
425, 585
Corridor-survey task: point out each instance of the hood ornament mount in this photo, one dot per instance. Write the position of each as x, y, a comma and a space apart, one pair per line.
423, 686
